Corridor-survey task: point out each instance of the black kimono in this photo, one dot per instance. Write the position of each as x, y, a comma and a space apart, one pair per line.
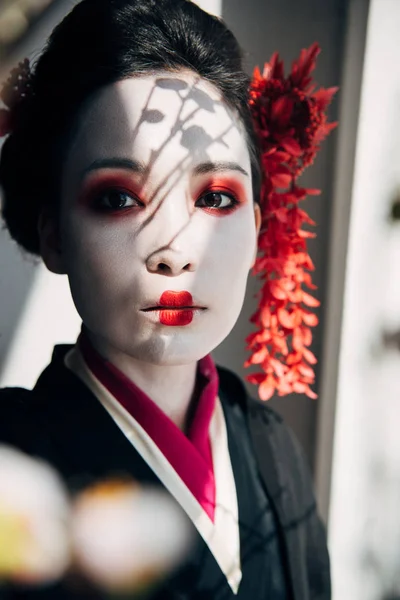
283, 549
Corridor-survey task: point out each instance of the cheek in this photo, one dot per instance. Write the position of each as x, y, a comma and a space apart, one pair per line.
96, 257
234, 249
232, 258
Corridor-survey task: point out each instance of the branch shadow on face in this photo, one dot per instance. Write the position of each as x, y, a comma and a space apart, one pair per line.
190, 101
193, 138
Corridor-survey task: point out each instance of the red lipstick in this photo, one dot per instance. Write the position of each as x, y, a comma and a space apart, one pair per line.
176, 299
176, 308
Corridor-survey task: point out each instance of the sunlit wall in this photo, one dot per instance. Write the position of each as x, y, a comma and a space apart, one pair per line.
364, 522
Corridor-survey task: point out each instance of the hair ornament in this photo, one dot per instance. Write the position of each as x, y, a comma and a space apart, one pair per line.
15, 90
291, 122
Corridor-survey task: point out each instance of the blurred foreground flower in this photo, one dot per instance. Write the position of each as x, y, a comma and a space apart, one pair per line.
34, 511
121, 537
126, 537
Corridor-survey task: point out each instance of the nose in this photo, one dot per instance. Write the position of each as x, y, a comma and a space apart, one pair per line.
169, 262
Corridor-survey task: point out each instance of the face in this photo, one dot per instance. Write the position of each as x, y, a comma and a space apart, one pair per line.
157, 228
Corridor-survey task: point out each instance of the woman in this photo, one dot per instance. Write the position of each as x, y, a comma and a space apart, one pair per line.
140, 182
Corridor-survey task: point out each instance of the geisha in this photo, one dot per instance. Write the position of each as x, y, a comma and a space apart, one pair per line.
141, 179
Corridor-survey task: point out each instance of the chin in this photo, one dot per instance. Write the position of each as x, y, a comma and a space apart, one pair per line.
172, 349
169, 346
169, 349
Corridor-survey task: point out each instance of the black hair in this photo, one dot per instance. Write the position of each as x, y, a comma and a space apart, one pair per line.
98, 43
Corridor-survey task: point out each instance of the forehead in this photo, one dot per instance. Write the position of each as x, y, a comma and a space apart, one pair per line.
159, 119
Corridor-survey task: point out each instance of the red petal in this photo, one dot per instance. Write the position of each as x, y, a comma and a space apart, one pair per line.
309, 356
284, 388
259, 356
267, 388
312, 191
297, 340
324, 131
302, 68
265, 316
281, 110
281, 214
305, 217
281, 180
306, 371
276, 290
291, 146
278, 367
307, 336
278, 156
266, 74
307, 280
254, 318
324, 96
280, 345
309, 300
275, 67
293, 358
311, 394
306, 234
299, 387
252, 338
288, 320
257, 73
256, 378
310, 319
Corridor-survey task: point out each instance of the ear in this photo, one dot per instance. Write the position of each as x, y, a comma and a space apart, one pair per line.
50, 242
257, 220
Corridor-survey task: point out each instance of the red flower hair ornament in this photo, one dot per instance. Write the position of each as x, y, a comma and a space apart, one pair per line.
15, 90
290, 119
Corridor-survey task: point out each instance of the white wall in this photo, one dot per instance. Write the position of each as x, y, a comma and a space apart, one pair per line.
349, 106
212, 6
36, 310
364, 522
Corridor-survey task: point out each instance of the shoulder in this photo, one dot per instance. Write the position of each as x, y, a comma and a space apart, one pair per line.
14, 403
235, 394
16, 417
275, 445
288, 482
22, 411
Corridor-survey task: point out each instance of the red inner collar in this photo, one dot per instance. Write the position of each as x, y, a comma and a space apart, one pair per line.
190, 455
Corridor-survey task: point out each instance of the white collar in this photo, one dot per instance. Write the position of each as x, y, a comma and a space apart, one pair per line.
222, 535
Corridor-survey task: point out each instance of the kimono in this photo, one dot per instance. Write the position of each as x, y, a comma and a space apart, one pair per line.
257, 534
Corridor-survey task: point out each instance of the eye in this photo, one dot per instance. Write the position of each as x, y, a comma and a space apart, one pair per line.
216, 200
115, 200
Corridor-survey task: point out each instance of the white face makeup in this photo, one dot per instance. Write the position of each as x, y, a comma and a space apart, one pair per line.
156, 200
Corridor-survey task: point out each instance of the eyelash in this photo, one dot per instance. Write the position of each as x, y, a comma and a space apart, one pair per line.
96, 202
224, 209
98, 205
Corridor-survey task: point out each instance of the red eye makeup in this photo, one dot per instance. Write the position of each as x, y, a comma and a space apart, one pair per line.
221, 196
113, 192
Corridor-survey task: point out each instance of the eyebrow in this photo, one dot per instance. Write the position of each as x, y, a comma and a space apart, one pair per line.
140, 168
112, 163
218, 167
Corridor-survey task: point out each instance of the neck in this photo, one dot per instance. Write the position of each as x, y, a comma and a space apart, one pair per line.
171, 387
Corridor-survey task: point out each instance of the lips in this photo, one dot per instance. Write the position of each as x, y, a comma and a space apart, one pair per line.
176, 300
175, 308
